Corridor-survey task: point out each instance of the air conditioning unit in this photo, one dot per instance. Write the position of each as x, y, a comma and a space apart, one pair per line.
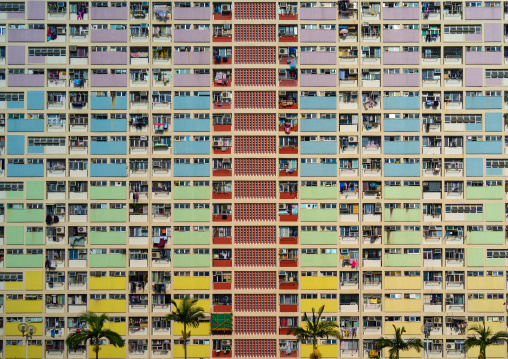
353, 71
283, 51
447, 3
72, 183
226, 160
157, 164
81, 229
225, 94
437, 320
60, 211
425, 26
60, 230
353, 138
216, 144
282, 206
156, 255
144, 93
450, 346
282, 93
226, 7
226, 341
366, 160
378, 208
73, 48
227, 27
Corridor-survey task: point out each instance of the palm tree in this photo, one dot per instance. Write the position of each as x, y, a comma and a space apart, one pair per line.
397, 344
94, 332
483, 337
188, 314
314, 329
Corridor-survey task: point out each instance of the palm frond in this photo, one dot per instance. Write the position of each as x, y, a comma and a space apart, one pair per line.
114, 338
73, 340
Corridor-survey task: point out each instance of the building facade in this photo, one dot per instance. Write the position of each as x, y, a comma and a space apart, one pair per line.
265, 158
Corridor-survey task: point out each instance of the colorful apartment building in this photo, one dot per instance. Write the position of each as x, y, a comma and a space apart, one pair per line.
265, 158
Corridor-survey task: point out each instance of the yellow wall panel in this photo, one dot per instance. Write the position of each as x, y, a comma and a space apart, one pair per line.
34, 280
313, 283
308, 304
485, 283
23, 306
403, 283
203, 329
108, 351
14, 285
107, 305
196, 283
19, 351
494, 351
120, 328
326, 350
412, 328
108, 283
203, 303
193, 351
486, 305
403, 305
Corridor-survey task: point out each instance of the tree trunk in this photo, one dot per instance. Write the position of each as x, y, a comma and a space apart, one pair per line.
97, 351
185, 340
